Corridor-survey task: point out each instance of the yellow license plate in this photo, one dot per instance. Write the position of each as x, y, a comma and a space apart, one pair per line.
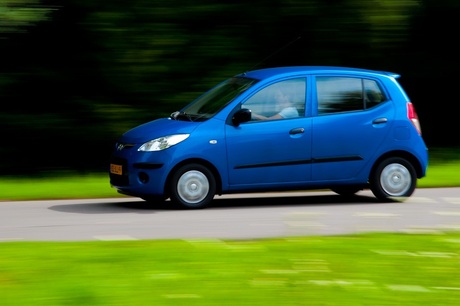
116, 169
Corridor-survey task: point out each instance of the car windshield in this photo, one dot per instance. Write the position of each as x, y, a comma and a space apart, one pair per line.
208, 104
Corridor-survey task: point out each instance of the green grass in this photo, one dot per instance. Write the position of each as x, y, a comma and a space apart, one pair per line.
56, 187
362, 269
441, 175
367, 269
443, 168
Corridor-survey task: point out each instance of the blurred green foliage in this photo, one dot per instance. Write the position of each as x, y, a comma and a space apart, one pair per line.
76, 74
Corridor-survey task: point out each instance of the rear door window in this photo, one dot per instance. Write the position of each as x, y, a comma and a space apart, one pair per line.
345, 94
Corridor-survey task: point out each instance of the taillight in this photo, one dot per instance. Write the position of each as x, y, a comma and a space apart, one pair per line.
412, 115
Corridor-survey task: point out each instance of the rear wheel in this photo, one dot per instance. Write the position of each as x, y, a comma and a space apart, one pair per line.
393, 179
192, 186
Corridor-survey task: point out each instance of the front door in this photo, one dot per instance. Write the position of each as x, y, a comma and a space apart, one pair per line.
274, 148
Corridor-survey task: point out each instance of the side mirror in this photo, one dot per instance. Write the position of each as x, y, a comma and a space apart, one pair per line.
243, 115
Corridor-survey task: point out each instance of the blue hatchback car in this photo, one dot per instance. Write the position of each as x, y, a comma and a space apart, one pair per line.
274, 129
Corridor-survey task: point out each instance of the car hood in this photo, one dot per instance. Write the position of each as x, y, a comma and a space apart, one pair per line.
158, 128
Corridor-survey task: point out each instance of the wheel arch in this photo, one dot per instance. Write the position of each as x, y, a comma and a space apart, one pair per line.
200, 161
399, 153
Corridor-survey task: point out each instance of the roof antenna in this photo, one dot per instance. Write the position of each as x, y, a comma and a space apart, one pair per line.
277, 51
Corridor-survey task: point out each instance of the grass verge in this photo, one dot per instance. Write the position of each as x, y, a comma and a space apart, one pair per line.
367, 269
57, 186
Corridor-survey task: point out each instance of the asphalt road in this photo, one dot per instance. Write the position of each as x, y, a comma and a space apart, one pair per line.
230, 217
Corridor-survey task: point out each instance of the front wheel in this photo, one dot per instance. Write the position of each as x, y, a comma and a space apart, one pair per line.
394, 178
192, 186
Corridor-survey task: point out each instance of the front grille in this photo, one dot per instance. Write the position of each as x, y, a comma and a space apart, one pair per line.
119, 180
123, 146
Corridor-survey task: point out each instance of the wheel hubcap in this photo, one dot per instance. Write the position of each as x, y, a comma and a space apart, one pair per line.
395, 180
193, 186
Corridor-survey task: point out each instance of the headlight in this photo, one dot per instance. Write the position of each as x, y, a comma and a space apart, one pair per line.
162, 143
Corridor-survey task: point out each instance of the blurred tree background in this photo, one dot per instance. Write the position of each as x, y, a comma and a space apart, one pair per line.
76, 74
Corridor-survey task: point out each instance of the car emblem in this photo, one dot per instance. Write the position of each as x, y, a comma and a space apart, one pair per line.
120, 147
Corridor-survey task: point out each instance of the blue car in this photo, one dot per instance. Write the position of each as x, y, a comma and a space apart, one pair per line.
275, 129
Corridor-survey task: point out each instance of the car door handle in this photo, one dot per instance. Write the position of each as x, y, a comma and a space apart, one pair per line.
297, 131
380, 120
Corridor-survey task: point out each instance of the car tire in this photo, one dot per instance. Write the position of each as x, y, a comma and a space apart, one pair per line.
192, 186
394, 179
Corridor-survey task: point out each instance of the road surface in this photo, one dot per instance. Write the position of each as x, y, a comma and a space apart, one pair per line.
231, 217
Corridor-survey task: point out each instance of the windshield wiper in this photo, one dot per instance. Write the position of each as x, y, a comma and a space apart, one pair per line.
178, 115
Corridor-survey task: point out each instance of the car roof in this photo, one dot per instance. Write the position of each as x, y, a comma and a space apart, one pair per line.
266, 73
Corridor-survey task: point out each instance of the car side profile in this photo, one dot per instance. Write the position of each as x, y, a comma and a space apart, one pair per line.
278, 129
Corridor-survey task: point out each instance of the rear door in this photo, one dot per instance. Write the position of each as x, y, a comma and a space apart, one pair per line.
353, 118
